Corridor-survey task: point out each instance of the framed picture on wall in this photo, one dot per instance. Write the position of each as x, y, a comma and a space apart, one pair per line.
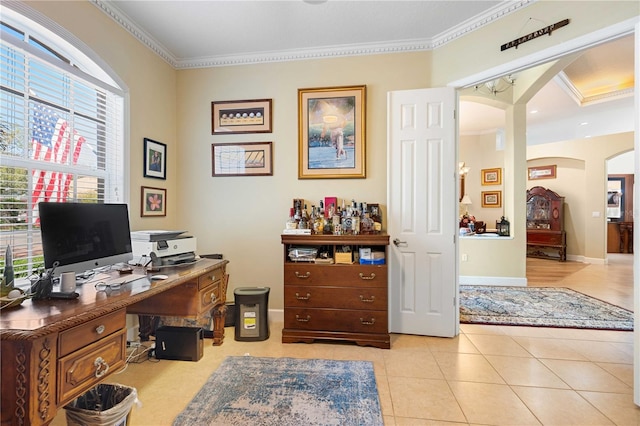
153, 201
491, 199
542, 172
331, 132
250, 116
492, 176
242, 159
155, 159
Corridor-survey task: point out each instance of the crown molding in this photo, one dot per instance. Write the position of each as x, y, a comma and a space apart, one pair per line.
574, 93
403, 46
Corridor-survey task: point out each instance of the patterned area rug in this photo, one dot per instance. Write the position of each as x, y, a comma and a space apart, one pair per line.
286, 391
540, 306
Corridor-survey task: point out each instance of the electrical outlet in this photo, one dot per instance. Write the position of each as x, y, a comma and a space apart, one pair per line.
465, 257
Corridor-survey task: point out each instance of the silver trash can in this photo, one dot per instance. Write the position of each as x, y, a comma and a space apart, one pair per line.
251, 313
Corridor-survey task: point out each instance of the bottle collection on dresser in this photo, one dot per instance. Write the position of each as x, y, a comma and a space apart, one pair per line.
330, 218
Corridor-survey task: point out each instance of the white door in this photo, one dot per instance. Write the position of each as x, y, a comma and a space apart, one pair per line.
422, 212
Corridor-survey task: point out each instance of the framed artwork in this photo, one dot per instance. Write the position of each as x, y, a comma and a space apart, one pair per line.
251, 116
331, 132
155, 159
542, 172
242, 159
491, 199
492, 176
153, 201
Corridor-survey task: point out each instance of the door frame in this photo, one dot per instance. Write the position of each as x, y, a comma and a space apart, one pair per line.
628, 27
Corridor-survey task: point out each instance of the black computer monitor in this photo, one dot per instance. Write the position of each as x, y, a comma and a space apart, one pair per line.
84, 236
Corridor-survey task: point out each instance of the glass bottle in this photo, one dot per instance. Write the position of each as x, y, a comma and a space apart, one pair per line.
291, 223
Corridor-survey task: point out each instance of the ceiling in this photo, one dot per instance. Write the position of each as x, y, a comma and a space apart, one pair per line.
193, 34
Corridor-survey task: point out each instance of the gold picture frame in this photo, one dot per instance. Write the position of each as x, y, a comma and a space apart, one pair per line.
242, 159
491, 199
250, 116
492, 176
153, 201
331, 132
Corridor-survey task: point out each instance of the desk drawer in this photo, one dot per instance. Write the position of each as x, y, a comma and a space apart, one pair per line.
210, 278
83, 369
209, 297
361, 298
89, 332
336, 320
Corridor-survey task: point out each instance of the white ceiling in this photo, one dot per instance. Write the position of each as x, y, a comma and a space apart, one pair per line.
595, 89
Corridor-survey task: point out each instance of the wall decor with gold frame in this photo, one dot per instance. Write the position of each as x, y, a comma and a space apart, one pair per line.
492, 176
492, 199
153, 201
542, 172
331, 132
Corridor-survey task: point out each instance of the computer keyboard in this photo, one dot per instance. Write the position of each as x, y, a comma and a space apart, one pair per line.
124, 279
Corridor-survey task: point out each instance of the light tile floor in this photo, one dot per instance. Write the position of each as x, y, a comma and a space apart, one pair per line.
488, 375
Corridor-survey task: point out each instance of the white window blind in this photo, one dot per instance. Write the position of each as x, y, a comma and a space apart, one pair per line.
61, 140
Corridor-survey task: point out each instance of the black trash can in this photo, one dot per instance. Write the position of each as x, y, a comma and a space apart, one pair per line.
251, 313
102, 405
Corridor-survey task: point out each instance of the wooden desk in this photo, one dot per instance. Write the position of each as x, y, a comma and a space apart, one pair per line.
55, 350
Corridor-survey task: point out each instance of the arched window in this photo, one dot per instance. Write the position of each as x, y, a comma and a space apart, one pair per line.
61, 133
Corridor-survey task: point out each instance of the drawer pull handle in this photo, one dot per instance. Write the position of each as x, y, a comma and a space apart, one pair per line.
303, 297
100, 329
370, 277
303, 319
305, 276
213, 297
370, 300
101, 367
364, 322
213, 277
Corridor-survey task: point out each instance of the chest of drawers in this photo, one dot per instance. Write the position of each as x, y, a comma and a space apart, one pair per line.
342, 302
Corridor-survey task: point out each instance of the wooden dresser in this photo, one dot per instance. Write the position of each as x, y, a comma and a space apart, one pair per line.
546, 237
55, 350
338, 301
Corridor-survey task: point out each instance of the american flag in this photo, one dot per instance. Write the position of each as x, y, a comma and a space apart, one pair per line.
51, 142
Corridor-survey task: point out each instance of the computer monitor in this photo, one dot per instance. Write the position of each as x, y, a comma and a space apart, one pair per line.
84, 236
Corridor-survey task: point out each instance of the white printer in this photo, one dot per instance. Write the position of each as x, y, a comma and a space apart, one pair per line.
170, 247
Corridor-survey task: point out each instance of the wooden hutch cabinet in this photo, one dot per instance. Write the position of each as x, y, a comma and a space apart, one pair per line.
546, 237
330, 300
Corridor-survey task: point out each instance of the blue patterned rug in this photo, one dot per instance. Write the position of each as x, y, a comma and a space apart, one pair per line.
541, 307
286, 391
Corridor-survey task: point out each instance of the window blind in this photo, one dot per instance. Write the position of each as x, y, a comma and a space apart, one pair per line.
61, 141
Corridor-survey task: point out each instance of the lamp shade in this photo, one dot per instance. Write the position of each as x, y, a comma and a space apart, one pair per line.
466, 200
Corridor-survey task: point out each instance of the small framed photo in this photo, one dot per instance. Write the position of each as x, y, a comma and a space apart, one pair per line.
491, 199
492, 176
542, 172
155, 159
153, 202
242, 159
251, 116
331, 132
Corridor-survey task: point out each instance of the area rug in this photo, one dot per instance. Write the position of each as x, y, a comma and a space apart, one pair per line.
286, 391
540, 306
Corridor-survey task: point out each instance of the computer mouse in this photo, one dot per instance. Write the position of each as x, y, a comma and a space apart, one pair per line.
159, 277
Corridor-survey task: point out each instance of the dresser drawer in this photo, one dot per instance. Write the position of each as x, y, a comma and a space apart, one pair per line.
358, 298
91, 331
336, 275
336, 320
83, 369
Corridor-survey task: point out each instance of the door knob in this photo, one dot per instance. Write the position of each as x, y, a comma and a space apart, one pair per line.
397, 242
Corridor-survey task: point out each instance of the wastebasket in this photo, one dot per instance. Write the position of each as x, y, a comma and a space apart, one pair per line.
251, 311
103, 405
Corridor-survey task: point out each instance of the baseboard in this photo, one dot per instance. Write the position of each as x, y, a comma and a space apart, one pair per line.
497, 281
